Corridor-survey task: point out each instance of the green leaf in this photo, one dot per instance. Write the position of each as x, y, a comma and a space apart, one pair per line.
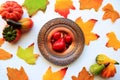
33, 6
27, 54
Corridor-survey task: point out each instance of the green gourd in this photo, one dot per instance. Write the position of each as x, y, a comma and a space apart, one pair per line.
96, 69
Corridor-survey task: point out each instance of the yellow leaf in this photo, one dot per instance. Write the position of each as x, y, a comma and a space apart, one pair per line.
59, 75
83, 75
4, 55
63, 7
110, 13
113, 41
87, 29
14, 74
1, 41
88, 4
27, 54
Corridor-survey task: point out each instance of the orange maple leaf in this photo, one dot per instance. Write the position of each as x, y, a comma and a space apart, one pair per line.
14, 74
87, 29
1, 41
110, 13
88, 4
63, 6
83, 75
113, 41
4, 55
59, 75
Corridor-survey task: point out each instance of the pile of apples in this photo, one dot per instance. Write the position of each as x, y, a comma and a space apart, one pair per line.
61, 41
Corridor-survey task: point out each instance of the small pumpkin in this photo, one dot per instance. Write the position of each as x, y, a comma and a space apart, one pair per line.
109, 71
11, 35
11, 10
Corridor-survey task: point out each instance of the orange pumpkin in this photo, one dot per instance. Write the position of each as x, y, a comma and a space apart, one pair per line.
109, 71
11, 10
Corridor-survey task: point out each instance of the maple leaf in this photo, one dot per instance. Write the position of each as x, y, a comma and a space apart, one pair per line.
58, 75
113, 41
1, 41
87, 29
110, 13
14, 74
83, 75
27, 54
88, 4
63, 7
33, 6
4, 55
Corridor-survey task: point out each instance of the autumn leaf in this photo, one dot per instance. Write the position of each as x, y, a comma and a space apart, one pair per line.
27, 54
4, 55
58, 75
87, 29
83, 75
63, 7
88, 4
14, 74
1, 41
110, 13
113, 41
33, 6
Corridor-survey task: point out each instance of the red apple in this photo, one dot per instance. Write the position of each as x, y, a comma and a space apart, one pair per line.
59, 45
68, 39
57, 35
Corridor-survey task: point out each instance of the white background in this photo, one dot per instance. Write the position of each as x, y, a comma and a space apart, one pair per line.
35, 72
